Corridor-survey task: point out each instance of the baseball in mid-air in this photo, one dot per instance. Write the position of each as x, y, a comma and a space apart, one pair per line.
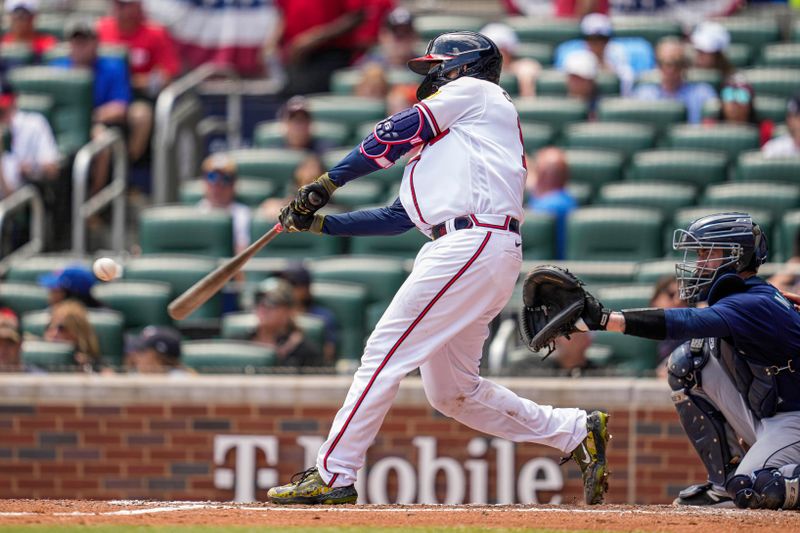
106, 269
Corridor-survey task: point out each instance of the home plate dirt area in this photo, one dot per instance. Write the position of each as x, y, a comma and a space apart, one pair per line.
563, 518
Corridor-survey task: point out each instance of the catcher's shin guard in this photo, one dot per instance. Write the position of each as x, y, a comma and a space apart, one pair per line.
308, 488
591, 458
767, 488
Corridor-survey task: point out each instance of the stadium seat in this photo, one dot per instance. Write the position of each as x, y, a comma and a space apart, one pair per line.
755, 31
49, 356
71, 92
552, 82
387, 176
752, 166
628, 353
431, 26
294, 245
535, 136
658, 113
693, 75
223, 356
662, 195
541, 52
729, 138
142, 303
682, 218
581, 192
781, 82
30, 268
348, 301
544, 30
538, 236
405, 245
767, 108
382, 276
182, 229
22, 297
780, 55
350, 111
555, 111
270, 134
773, 197
695, 167
360, 193
623, 137
739, 54
594, 167
344, 81
625, 296
250, 192
613, 234
276, 165
238, 326
651, 28
787, 236
652, 271
594, 273
107, 325
37, 103
16, 55
510, 84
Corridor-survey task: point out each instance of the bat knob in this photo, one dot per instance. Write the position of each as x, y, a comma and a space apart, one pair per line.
315, 199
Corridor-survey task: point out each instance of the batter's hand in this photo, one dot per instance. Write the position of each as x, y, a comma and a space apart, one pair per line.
312, 197
294, 222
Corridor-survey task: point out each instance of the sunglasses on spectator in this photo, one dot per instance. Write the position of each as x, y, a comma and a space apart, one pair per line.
735, 94
215, 176
61, 328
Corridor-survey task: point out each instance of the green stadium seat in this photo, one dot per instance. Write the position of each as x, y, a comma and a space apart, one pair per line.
554, 111
751, 30
350, 111
535, 136
661, 195
276, 165
651, 28
250, 192
628, 353
374, 313
694, 75
387, 176
541, 52
781, 82
796, 31
107, 325
270, 134
728, 138
552, 82
183, 229
17, 54
682, 218
431, 26
581, 192
552, 31
238, 326
652, 271
22, 297
142, 303
344, 81
739, 54
623, 137
594, 167
510, 84
348, 301
406, 245
614, 234
696, 167
538, 236
294, 245
61, 50
223, 356
71, 92
659, 113
752, 166
774, 197
382, 276
767, 108
787, 235
780, 55
360, 193
37, 103
625, 296
50, 356
30, 268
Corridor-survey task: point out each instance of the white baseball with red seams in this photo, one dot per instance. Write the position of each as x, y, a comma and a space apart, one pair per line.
439, 319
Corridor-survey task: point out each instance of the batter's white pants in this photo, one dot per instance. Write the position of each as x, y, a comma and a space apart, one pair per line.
438, 322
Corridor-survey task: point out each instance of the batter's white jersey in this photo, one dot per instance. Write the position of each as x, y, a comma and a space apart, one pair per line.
474, 165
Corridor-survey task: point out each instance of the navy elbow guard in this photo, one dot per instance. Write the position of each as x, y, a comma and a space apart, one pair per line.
395, 136
647, 323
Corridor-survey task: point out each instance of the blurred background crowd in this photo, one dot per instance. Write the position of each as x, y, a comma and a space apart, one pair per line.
169, 133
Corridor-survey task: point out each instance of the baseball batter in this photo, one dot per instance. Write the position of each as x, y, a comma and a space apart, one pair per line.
463, 188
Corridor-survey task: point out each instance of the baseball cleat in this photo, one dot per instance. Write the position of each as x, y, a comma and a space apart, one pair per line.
703, 495
591, 457
308, 488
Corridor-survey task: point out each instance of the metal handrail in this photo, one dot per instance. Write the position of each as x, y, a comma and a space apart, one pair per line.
113, 193
164, 132
28, 194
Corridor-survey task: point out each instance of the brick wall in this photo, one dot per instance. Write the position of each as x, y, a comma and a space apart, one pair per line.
132, 438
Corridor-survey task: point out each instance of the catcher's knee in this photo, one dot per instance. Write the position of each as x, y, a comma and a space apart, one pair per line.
767, 488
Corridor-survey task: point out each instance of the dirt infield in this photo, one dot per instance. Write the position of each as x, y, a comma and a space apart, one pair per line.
609, 517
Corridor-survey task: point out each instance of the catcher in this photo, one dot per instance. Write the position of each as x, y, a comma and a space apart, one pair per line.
735, 382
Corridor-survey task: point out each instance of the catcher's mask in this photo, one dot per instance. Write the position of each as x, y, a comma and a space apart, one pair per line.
714, 245
453, 55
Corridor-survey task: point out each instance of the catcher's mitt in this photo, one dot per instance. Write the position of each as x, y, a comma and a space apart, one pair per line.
554, 300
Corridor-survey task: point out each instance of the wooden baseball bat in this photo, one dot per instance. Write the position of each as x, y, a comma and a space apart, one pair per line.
200, 292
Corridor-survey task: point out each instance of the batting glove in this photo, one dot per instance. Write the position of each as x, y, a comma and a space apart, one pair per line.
294, 222
322, 188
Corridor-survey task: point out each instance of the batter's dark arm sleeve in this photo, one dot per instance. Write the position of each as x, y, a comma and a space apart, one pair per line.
692, 323
390, 220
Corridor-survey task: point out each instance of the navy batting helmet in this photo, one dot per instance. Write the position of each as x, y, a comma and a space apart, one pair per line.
714, 245
467, 52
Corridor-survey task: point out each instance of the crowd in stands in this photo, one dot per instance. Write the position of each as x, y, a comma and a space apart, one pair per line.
359, 47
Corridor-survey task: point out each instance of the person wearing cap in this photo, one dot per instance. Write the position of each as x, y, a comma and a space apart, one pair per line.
276, 311
710, 40
33, 144
787, 145
582, 69
525, 70
672, 65
10, 342
737, 106
74, 282
69, 322
296, 125
220, 175
157, 350
396, 40
22, 14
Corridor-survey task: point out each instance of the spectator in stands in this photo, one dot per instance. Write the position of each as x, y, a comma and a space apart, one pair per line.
157, 350
788, 144
560, 8
276, 311
373, 83
524, 70
547, 182
396, 40
738, 106
22, 14
569, 358
665, 295
582, 69
220, 174
10, 342
306, 172
153, 62
672, 64
300, 279
74, 282
33, 144
10, 173
597, 30
69, 322
788, 279
710, 40
295, 116
111, 93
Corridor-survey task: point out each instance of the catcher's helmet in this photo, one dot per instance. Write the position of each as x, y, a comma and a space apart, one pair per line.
473, 54
743, 245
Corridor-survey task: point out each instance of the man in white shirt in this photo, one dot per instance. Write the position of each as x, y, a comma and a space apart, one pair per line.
220, 176
32, 141
789, 144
